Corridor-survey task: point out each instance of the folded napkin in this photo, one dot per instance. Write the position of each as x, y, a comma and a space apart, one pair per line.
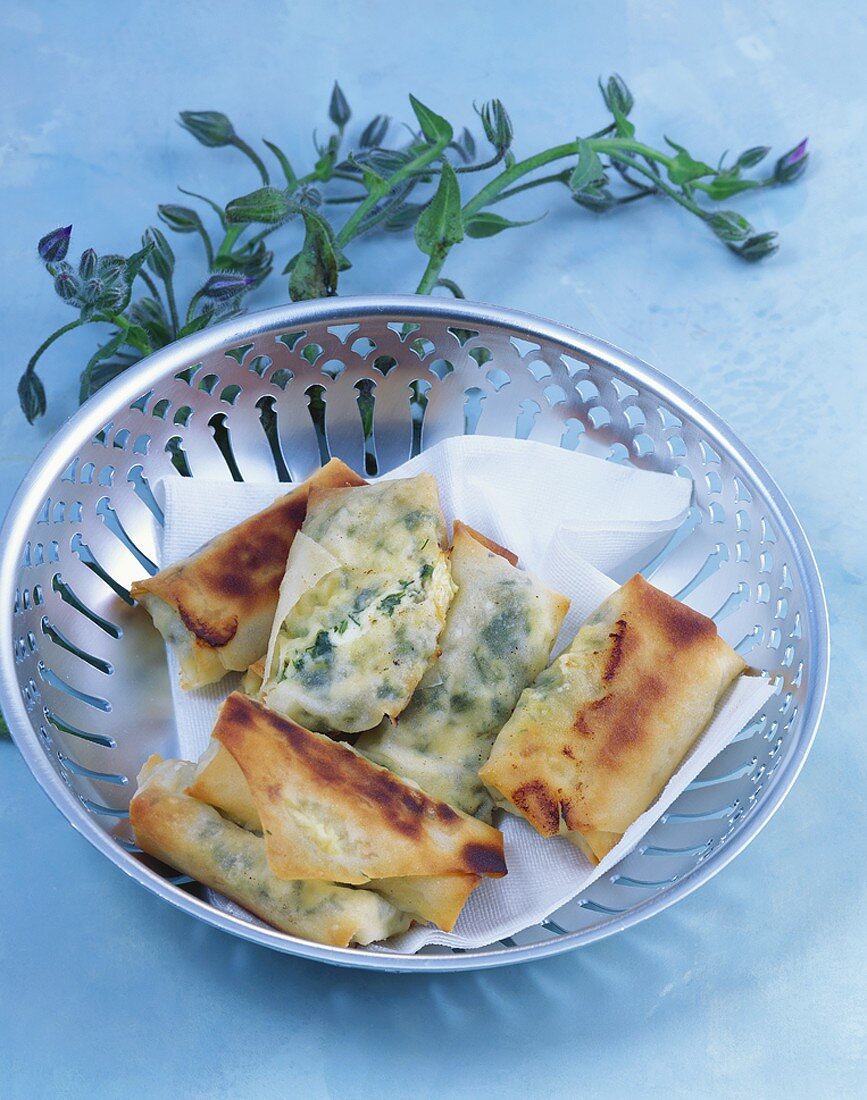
583, 525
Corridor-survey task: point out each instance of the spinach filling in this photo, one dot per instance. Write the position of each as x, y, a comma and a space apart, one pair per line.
322, 653
505, 632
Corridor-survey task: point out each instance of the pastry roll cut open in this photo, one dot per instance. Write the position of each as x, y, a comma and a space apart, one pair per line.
362, 605
220, 783
329, 813
216, 607
594, 740
195, 839
497, 639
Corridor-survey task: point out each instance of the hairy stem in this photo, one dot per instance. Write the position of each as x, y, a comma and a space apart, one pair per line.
240, 144
554, 177
492, 163
233, 232
425, 157
49, 341
150, 284
661, 185
173, 307
209, 248
432, 272
121, 322
511, 175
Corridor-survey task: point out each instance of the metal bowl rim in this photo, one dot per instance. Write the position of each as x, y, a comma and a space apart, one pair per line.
98, 410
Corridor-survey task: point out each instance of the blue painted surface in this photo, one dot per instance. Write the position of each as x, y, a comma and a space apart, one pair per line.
754, 986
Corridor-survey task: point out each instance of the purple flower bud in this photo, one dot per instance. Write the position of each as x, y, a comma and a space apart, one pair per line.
53, 246
792, 164
797, 154
220, 288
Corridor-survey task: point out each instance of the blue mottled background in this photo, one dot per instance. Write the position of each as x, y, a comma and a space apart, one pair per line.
754, 986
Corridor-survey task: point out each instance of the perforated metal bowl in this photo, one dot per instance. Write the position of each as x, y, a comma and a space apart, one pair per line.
272, 395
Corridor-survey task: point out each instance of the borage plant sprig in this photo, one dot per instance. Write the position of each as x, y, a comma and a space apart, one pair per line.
421, 182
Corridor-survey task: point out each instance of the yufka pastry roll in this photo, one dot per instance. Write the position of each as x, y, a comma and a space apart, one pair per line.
362, 604
216, 607
195, 839
329, 813
439, 899
497, 639
598, 735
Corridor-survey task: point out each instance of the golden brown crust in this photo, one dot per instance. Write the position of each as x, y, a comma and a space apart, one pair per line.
593, 742
220, 783
329, 813
235, 578
194, 838
489, 544
435, 898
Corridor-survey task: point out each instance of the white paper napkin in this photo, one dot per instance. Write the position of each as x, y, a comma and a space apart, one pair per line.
580, 523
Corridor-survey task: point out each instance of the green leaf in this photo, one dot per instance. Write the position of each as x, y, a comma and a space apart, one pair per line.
488, 224
468, 144
625, 128
264, 206
137, 261
137, 338
374, 132
200, 321
218, 210
595, 197
434, 127
89, 384
288, 170
404, 216
372, 181
589, 168
324, 167
684, 169
4, 729
149, 315
134, 264
314, 270
440, 225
